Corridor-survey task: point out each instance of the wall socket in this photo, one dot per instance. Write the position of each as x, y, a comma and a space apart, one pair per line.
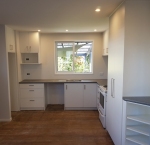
101, 73
28, 74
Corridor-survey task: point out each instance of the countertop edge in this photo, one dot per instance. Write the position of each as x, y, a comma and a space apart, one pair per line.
145, 100
61, 81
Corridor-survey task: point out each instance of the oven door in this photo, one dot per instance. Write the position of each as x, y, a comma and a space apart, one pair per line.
102, 118
102, 102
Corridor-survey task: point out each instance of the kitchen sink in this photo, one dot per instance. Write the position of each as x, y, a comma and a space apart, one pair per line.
73, 80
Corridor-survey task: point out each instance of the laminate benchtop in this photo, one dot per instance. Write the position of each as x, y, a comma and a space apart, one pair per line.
141, 100
98, 81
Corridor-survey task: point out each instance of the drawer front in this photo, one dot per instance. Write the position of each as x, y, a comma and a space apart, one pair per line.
32, 102
25, 93
30, 86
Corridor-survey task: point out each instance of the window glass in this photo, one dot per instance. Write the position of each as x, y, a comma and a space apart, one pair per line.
74, 57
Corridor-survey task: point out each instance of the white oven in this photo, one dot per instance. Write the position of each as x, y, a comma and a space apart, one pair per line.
101, 104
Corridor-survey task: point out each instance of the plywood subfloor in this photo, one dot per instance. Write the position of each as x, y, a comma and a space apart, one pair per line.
54, 127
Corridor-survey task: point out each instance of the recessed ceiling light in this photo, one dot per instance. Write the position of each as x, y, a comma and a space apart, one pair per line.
97, 10
95, 30
39, 30
66, 30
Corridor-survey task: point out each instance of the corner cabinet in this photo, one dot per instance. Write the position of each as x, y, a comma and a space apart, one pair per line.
10, 39
32, 97
105, 42
29, 47
136, 124
80, 96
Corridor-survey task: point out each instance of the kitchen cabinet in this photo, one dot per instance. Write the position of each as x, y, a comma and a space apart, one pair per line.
29, 42
29, 47
136, 123
10, 39
80, 96
73, 95
124, 77
32, 97
90, 95
105, 42
115, 77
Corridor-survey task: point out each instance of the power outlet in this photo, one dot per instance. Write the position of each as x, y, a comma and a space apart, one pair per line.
28, 74
101, 73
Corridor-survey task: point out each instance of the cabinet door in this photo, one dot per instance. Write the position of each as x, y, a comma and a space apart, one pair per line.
24, 40
90, 95
73, 95
33, 42
115, 77
10, 39
105, 42
32, 93
31, 102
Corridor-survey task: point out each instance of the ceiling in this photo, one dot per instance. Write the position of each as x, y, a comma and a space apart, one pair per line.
55, 16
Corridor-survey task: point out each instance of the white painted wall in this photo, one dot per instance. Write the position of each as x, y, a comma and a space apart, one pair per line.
47, 69
5, 113
137, 48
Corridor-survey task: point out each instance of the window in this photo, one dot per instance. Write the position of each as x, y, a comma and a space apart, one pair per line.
73, 57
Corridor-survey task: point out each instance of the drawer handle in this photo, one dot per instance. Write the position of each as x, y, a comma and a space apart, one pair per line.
32, 100
31, 90
31, 85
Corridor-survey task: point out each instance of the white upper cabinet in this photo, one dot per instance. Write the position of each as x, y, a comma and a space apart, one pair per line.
105, 42
10, 39
29, 42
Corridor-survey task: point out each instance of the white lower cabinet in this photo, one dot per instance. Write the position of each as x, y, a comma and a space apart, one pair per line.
80, 96
136, 130
32, 97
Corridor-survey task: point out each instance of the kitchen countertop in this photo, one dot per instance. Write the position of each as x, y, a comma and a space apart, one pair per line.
141, 100
98, 81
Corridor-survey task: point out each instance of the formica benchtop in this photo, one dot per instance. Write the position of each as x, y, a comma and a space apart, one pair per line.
141, 100
98, 81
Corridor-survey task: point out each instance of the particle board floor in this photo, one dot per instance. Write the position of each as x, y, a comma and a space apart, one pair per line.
54, 127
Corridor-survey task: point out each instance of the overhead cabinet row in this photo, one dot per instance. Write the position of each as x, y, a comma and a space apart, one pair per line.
29, 43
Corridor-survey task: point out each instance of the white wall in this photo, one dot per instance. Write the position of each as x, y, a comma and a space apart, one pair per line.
5, 113
47, 69
137, 48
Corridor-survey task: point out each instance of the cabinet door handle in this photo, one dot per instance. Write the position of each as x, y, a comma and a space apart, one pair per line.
84, 87
111, 87
31, 90
66, 87
11, 47
31, 85
32, 100
30, 48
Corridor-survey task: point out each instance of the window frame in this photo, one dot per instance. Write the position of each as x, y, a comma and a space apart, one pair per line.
71, 72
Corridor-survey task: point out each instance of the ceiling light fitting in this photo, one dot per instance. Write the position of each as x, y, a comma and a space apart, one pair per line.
97, 10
